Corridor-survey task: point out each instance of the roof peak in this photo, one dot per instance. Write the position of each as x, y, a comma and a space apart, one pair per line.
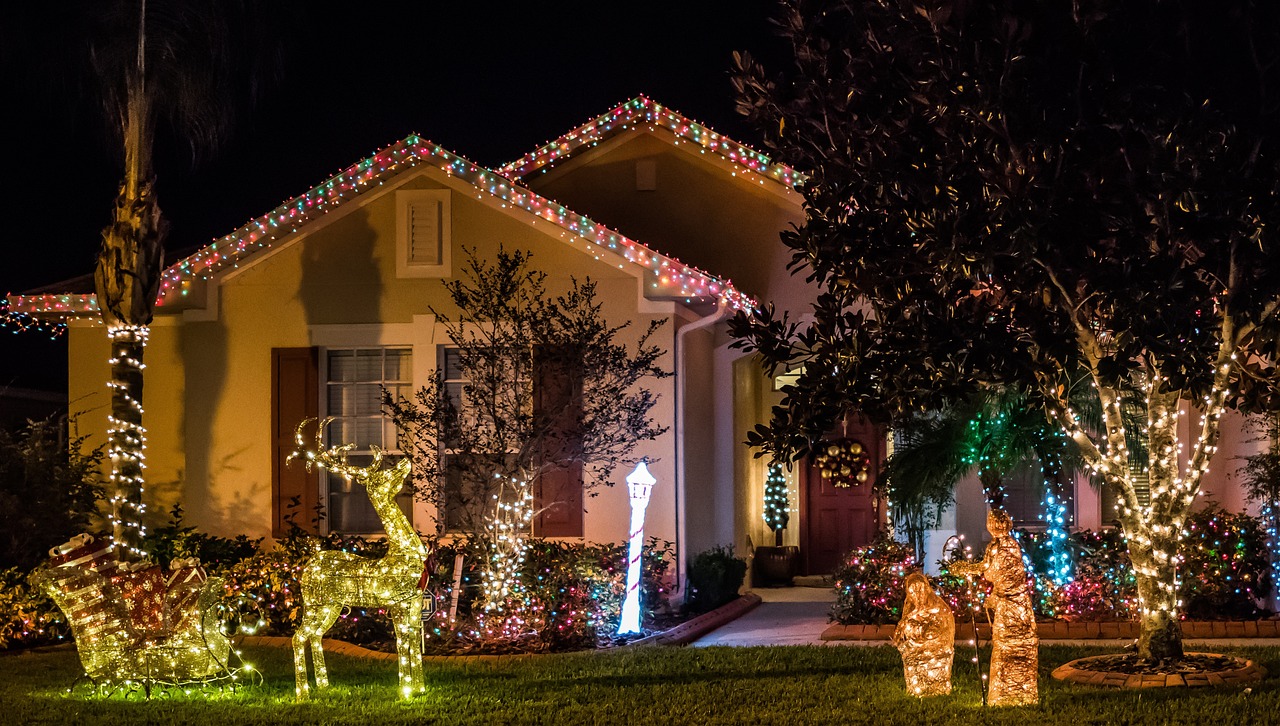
643, 111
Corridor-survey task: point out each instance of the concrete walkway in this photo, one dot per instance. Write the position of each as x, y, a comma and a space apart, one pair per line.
798, 615
787, 616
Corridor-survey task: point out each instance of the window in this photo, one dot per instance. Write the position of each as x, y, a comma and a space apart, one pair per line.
354, 381
423, 233
1111, 495
1024, 490
556, 391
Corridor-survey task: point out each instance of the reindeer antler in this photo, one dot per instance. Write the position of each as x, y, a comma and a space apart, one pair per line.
333, 458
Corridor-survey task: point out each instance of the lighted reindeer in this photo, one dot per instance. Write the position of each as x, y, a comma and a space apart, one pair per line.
332, 580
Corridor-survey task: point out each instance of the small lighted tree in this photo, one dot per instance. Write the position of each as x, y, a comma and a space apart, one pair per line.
548, 386
777, 510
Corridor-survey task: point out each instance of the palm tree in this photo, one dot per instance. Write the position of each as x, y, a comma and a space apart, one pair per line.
173, 62
993, 433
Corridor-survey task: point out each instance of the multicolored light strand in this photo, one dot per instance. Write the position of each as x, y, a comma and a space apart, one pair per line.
666, 275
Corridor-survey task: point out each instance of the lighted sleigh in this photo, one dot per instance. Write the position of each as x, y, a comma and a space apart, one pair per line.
135, 623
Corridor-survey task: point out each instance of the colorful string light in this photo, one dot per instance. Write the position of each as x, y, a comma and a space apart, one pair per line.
666, 275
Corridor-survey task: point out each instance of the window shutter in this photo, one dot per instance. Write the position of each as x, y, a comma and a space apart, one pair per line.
294, 396
426, 232
557, 405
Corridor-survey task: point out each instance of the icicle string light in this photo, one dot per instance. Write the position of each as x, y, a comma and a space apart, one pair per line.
17, 322
666, 276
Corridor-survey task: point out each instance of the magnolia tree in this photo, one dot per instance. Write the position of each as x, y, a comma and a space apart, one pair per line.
536, 385
1064, 197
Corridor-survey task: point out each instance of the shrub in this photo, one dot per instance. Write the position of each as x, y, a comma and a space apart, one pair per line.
27, 617
50, 487
715, 577
868, 583
570, 597
1226, 568
174, 539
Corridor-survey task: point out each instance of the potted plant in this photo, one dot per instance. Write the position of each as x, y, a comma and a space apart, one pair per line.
776, 565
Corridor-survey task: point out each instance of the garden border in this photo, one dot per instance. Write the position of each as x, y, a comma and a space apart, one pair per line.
1063, 630
1249, 672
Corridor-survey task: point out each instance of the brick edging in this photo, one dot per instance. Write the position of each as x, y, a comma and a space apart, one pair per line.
694, 628
1062, 630
1248, 672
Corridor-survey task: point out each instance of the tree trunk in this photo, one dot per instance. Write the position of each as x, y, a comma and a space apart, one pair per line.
1159, 632
127, 437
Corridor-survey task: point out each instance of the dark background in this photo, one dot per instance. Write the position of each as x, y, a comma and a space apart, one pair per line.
490, 81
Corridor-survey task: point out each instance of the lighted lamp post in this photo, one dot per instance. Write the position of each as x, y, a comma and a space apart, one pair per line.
640, 484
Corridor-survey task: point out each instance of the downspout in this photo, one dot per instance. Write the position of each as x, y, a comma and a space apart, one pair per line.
721, 312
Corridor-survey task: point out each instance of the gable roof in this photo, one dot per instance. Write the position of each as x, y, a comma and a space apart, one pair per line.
644, 112
669, 276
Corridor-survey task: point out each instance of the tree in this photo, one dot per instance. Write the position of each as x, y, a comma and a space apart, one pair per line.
542, 388
994, 433
777, 512
187, 63
1008, 194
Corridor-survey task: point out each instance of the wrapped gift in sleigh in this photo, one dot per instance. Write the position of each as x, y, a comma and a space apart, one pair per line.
135, 621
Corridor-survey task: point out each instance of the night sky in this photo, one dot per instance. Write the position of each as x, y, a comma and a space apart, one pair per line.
489, 81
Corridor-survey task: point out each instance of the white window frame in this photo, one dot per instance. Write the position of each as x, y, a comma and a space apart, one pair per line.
405, 199
325, 384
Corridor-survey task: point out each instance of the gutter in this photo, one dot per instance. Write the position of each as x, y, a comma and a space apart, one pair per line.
721, 312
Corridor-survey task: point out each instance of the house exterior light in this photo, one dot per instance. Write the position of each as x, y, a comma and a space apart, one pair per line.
639, 485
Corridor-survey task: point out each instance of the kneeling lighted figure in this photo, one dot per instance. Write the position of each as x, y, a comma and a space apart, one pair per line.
926, 638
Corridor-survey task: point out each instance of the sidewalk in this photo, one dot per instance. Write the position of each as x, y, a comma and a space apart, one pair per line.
798, 615
787, 616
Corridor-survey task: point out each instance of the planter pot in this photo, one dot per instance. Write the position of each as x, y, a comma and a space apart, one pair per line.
775, 566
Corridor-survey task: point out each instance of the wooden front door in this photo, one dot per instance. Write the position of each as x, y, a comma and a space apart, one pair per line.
838, 519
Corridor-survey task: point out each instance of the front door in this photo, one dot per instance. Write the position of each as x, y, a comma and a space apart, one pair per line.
840, 511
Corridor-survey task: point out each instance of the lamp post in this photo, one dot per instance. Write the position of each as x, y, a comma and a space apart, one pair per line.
640, 485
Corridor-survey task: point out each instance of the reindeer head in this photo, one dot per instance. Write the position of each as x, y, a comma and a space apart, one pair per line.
381, 484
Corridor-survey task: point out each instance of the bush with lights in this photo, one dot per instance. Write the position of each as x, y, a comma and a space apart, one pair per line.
1225, 575
869, 582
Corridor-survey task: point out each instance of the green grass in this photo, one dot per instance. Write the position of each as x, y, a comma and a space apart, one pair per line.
781, 685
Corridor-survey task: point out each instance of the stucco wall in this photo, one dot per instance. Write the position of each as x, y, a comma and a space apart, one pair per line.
208, 396
700, 212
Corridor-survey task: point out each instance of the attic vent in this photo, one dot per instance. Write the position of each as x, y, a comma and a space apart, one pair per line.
425, 232
646, 175
422, 233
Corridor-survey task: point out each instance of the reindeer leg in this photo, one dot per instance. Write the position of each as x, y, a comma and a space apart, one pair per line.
408, 622
328, 616
300, 642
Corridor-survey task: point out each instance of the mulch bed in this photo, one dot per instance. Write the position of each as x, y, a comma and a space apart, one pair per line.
1130, 671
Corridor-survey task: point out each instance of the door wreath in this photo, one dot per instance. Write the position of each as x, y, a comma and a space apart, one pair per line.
844, 463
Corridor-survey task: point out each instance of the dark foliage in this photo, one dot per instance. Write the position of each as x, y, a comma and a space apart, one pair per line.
548, 384
715, 577
50, 487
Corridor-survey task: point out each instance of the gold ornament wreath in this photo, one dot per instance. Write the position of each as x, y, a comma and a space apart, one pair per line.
845, 463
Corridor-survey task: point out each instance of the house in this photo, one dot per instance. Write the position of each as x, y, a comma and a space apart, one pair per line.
307, 309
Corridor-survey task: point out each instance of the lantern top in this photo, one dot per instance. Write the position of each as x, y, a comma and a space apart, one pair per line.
641, 475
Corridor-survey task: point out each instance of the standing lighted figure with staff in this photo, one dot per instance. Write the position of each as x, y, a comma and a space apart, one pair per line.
1014, 641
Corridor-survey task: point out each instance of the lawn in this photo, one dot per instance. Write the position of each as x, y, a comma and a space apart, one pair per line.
779, 685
